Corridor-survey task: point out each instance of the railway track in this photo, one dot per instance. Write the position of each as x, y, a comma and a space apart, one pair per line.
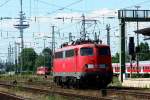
8, 96
110, 93
136, 94
63, 92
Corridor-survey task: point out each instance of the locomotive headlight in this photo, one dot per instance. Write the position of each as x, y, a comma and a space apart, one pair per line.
90, 65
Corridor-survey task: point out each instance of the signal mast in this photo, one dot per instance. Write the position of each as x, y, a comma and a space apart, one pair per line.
21, 26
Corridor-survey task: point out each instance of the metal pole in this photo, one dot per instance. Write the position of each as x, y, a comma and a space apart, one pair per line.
21, 5
15, 57
137, 55
130, 66
9, 53
53, 44
83, 27
95, 36
19, 53
44, 42
108, 34
122, 51
43, 49
21, 34
70, 37
12, 54
20, 27
53, 39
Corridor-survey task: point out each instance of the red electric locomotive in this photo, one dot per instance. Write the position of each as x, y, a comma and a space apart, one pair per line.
83, 63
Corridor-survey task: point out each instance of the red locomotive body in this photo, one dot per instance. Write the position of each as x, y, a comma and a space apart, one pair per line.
83, 64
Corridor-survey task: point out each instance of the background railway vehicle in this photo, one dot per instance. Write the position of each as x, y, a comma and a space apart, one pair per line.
144, 68
42, 70
83, 63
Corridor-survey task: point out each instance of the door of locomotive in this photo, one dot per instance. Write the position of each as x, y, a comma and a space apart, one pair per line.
103, 57
76, 59
70, 61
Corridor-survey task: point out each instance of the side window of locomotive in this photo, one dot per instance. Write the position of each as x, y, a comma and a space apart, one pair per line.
59, 55
104, 51
70, 53
86, 51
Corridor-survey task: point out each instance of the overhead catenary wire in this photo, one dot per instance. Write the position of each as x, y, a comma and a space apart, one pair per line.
67, 7
57, 6
62, 8
1, 5
139, 3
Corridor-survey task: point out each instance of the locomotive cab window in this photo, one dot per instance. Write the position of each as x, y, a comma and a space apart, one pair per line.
104, 51
70, 53
86, 51
59, 55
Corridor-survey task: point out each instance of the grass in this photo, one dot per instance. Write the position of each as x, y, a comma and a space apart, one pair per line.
35, 96
32, 96
115, 82
35, 78
21, 78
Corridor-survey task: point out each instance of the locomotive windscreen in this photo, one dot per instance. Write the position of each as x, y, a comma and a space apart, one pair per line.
86, 51
104, 51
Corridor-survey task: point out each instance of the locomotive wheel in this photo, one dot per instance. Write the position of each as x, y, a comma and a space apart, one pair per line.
102, 85
68, 82
74, 82
79, 84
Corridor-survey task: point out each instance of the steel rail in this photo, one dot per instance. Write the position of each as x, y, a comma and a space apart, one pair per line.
56, 92
9, 96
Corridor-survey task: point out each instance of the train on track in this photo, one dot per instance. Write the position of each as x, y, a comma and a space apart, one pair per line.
42, 70
83, 63
144, 67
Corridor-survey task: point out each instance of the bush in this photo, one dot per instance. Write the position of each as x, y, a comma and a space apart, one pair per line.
26, 73
146, 75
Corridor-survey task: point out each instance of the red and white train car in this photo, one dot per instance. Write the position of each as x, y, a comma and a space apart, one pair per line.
42, 70
83, 63
144, 67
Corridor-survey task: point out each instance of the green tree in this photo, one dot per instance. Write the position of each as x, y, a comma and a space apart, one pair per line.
39, 61
44, 59
144, 53
29, 56
47, 51
9, 67
115, 59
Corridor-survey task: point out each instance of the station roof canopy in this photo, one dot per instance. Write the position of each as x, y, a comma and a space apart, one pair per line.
144, 31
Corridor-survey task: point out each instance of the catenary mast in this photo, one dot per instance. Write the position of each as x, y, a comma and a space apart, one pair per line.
21, 26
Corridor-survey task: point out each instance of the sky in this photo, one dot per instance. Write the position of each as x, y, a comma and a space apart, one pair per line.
43, 14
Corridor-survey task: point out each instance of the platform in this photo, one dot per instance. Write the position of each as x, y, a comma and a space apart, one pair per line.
137, 82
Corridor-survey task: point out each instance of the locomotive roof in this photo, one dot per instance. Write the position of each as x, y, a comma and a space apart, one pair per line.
80, 46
